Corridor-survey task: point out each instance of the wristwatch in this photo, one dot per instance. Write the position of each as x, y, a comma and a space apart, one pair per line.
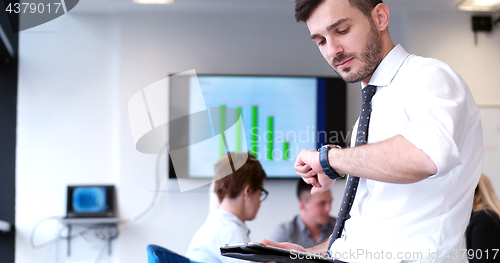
323, 160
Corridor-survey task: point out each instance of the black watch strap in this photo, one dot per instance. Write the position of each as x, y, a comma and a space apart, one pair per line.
325, 165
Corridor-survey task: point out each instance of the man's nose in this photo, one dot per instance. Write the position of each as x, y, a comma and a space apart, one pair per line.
328, 207
334, 49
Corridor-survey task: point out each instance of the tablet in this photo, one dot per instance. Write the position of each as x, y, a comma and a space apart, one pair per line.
259, 252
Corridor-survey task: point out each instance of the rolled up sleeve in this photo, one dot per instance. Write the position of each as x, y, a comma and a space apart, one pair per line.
438, 114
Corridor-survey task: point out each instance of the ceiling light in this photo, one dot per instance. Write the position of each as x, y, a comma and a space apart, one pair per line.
154, 2
480, 5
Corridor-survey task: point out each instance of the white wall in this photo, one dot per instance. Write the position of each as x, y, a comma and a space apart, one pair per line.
68, 120
448, 36
78, 72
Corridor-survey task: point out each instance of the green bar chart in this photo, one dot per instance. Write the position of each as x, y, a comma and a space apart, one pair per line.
269, 137
286, 149
253, 114
254, 131
239, 125
263, 142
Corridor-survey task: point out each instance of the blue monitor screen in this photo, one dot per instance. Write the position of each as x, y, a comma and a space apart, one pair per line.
89, 199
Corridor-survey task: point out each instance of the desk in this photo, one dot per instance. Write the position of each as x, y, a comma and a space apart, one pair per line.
92, 223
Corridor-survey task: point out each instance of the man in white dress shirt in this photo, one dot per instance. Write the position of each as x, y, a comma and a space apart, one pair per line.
424, 153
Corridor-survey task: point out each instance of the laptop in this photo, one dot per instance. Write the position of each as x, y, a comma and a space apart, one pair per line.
90, 201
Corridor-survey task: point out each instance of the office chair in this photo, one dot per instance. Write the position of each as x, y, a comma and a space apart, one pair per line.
157, 254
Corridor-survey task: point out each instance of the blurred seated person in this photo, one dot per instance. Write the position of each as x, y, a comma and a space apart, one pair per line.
483, 231
239, 194
313, 224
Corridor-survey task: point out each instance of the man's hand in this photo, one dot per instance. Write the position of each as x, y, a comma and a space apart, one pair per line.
308, 167
285, 245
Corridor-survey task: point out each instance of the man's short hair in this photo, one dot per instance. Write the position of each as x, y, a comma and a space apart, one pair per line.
251, 173
304, 8
303, 188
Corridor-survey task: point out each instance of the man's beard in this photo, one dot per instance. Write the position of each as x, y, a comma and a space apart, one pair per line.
370, 58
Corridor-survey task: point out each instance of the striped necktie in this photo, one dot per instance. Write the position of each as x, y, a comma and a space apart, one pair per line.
352, 181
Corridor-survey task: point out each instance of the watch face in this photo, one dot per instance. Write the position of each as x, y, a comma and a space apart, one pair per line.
326, 146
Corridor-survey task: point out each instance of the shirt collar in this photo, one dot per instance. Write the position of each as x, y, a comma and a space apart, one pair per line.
387, 69
229, 216
302, 225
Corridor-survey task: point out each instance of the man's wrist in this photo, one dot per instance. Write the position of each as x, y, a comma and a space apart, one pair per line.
334, 156
324, 160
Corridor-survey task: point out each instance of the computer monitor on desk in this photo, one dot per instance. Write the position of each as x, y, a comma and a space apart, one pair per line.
90, 201
91, 205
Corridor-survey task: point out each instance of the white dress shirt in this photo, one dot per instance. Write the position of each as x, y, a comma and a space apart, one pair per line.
425, 101
220, 228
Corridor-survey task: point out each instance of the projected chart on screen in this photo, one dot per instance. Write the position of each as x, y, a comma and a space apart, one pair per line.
278, 119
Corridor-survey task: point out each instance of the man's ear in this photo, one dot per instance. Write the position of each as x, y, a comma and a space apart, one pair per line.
302, 204
381, 16
246, 192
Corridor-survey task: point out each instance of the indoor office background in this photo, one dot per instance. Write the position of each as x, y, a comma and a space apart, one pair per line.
78, 72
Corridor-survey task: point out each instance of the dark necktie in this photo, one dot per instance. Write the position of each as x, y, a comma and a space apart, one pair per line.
352, 181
